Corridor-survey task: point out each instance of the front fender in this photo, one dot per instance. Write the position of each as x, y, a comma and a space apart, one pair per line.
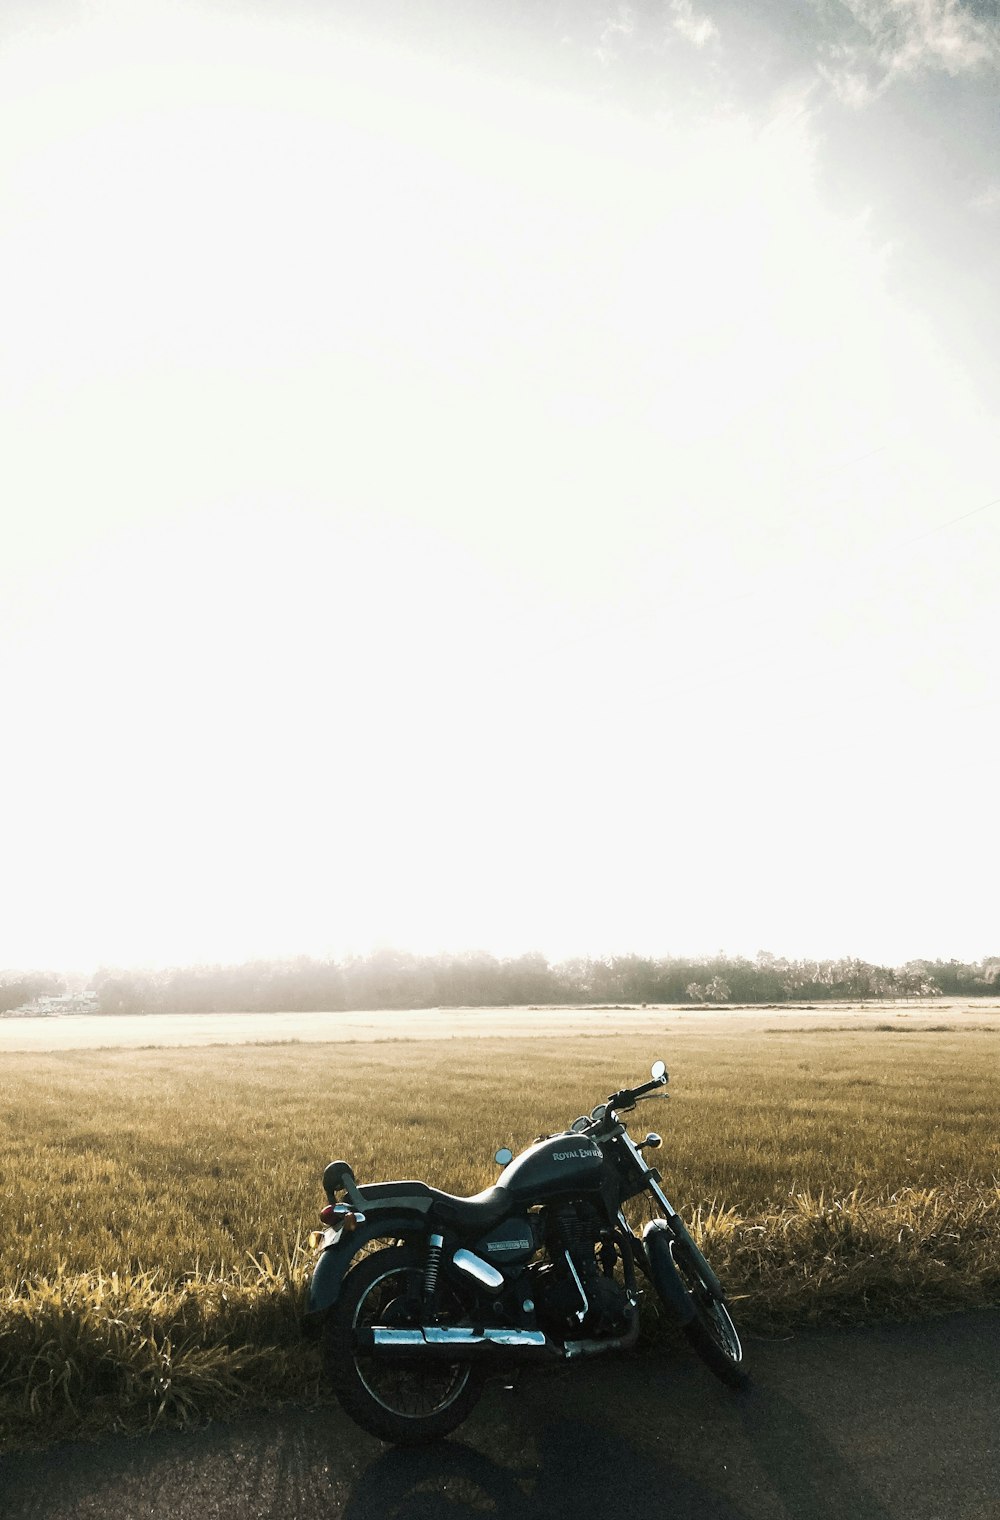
685, 1242
335, 1259
663, 1274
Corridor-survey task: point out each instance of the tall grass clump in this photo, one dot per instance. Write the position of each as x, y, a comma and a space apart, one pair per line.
864, 1256
81, 1352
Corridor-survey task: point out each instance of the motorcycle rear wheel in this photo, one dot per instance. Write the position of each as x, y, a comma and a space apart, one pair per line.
399, 1401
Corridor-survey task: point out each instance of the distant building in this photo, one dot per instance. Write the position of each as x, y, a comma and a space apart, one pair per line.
57, 1004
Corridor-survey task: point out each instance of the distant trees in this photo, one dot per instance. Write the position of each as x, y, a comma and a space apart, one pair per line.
24, 987
715, 991
397, 979
121, 994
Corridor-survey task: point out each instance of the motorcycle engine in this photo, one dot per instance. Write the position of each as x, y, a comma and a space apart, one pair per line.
573, 1238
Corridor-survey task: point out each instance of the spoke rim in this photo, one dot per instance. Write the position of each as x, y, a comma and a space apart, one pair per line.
410, 1392
718, 1322
711, 1311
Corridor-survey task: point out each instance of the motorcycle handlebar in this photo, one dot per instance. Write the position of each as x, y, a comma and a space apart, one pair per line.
628, 1095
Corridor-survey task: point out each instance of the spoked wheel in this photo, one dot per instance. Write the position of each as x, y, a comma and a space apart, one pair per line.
712, 1332
401, 1400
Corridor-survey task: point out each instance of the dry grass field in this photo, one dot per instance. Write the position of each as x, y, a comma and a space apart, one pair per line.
154, 1202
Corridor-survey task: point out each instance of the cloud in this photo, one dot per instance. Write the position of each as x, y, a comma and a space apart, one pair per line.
620, 25
987, 200
905, 39
695, 29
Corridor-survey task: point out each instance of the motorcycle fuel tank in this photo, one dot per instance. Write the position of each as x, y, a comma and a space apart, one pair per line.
567, 1163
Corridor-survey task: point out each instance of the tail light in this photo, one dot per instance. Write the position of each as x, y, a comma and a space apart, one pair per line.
341, 1216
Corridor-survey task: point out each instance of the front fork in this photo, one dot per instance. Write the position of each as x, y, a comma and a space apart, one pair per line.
675, 1223
683, 1236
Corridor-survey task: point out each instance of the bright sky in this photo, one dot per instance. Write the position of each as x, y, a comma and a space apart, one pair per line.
498, 484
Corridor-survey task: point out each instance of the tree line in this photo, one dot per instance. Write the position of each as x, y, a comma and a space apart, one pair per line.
396, 979
16, 989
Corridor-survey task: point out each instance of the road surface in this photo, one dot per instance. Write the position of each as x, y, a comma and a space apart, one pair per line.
872, 1424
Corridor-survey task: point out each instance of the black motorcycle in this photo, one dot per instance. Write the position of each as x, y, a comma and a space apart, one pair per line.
540, 1267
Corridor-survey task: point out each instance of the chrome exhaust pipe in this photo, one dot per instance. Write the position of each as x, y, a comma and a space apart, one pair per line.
452, 1343
463, 1344
573, 1349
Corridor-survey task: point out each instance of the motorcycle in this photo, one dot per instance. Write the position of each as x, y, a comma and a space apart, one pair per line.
541, 1267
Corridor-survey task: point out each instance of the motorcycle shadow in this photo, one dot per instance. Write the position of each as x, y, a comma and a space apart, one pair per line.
715, 1456
454, 1479
563, 1467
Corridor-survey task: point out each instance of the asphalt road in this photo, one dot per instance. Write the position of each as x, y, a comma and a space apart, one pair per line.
876, 1424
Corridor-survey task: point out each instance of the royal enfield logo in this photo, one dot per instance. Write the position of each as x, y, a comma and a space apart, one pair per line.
508, 1245
576, 1155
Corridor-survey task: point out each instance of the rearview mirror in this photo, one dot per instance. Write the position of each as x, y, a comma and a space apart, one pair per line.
503, 1155
658, 1070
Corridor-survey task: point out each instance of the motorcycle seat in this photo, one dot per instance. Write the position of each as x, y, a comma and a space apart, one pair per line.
478, 1213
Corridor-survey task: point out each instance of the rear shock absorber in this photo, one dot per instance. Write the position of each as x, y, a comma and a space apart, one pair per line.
432, 1266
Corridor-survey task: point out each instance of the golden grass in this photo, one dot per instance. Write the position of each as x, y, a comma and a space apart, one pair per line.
153, 1202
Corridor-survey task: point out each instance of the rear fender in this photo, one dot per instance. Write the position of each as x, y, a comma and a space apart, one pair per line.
400, 1223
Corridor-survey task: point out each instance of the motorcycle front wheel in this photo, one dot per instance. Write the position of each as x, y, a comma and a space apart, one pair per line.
711, 1332
403, 1401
